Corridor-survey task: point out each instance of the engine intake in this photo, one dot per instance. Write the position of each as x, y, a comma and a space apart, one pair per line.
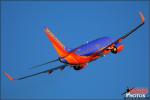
114, 50
118, 49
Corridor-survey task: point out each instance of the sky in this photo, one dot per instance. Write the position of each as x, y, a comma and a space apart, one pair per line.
24, 44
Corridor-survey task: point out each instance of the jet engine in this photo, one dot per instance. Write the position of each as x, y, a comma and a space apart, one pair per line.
117, 48
79, 67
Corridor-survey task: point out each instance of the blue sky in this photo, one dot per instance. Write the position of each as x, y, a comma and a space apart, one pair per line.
24, 43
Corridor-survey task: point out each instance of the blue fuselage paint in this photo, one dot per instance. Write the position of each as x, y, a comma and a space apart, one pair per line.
91, 47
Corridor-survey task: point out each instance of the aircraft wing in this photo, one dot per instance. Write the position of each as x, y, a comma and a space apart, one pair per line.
49, 71
100, 52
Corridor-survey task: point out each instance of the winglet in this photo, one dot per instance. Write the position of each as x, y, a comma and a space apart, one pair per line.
8, 76
142, 17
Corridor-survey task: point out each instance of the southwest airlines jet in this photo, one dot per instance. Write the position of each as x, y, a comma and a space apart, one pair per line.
79, 57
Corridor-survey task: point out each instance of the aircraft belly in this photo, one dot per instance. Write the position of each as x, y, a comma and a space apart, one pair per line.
77, 60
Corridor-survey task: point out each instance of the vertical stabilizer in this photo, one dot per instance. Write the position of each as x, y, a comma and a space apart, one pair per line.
59, 47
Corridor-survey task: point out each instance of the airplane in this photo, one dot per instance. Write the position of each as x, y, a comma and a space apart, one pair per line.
127, 90
79, 57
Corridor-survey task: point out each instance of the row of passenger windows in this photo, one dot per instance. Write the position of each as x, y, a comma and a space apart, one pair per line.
89, 49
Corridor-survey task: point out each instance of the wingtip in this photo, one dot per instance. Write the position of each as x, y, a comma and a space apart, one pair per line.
8, 76
142, 17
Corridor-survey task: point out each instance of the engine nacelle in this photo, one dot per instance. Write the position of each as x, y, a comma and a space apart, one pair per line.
77, 67
117, 48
